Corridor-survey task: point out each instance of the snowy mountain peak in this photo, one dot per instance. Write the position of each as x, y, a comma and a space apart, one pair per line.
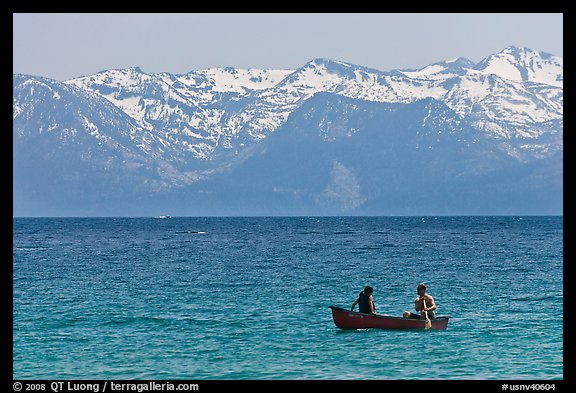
442, 69
518, 51
460, 62
129, 72
524, 65
328, 63
135, 70
229, 79
321, 66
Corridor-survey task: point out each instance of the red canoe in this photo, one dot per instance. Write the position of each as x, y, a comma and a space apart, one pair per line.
346, 319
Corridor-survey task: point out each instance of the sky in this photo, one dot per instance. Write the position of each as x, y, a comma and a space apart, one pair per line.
65, 46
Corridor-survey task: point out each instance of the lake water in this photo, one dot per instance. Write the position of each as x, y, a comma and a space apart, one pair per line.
248, 298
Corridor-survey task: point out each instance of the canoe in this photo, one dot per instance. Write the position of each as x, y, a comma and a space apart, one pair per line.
346, 319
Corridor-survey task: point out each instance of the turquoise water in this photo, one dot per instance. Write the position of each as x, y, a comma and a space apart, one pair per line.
248, 298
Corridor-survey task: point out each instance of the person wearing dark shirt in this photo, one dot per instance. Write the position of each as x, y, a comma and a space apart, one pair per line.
365, 301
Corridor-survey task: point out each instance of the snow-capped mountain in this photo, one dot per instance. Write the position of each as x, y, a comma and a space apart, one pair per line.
160, 132
189, 112
524, 65
513, 95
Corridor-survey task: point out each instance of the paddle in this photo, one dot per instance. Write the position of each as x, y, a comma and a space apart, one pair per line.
428, 324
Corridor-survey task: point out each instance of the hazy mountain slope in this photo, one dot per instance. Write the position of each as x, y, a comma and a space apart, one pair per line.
328, 138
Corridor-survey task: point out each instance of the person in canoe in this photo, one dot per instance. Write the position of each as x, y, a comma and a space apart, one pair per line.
365, 301
424, 303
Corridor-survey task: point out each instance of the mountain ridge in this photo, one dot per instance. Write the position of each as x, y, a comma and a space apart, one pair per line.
159, 133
